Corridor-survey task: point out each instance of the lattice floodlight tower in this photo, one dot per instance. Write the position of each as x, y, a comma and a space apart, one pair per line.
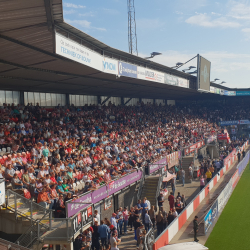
132, 38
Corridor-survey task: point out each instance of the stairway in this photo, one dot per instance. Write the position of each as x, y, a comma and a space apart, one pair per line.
150, 188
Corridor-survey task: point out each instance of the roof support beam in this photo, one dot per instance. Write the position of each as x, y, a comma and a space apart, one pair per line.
128, 101
106, 99
50, 19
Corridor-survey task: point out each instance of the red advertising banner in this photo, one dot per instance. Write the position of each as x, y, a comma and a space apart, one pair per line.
193, 147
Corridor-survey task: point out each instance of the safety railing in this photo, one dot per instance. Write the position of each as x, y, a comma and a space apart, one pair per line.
149, 239
24, 207
141, 184
158, 187
34, 232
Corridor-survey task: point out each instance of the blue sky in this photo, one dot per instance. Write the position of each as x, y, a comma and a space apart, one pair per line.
179, 29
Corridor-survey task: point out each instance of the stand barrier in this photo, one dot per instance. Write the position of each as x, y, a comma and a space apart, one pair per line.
169, 233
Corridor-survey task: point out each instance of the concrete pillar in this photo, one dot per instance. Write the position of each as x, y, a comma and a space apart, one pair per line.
99, 100
22, 97
67, 100
122, 101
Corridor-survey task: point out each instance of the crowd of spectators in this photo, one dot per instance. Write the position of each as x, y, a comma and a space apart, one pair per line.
48, 150
107, 233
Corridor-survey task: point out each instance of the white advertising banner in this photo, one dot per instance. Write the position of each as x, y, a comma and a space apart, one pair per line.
150, 75
212, 89
224, 195
2, 193
176, 81
76, 52
110, 66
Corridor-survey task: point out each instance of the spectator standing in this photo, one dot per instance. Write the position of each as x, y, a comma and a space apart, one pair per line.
95, 236
148, 202
171, 200
190, 171
173, 185
239, 156
208, 175
147, 221
113, 220
139, 234
170, 217
202, 182
125, 219
144, 206
151, 213
160, 200
183, 200
183, 176
196, 228
103, 231
212, 170
159, 223
97, 216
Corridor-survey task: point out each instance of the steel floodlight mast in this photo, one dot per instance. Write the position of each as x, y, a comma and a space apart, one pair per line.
132, 38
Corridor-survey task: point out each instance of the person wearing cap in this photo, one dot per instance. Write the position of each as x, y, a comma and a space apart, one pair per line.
196, 228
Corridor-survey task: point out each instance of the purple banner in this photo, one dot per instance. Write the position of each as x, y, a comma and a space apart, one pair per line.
102, 192
124, 182
157, 165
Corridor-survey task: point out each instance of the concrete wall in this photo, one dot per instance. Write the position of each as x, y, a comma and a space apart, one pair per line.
213, 151
127, 198
9, 225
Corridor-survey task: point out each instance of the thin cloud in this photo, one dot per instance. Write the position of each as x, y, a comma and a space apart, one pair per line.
148, 23
239, 10
69, 12
89, 14
206, 21
84, 24
71, 5
232, 68
111, 11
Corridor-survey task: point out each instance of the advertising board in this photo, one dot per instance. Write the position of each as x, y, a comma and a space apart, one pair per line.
126, 69
238, 122
203, 76
242, 93
211, 215
212, 89
85, 216
102, 193
2, 192
157, 165
110, 66
176, 81
76, 52
150, 75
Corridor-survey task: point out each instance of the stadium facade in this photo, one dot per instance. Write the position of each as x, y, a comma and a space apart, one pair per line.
47, 61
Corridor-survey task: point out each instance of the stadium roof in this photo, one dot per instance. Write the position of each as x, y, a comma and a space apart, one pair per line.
28, 61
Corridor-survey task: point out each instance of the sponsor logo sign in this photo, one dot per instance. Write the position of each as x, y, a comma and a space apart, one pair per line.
84, 217
102, 193
126, 69
76, 52
110, 66
150, 75
176, 81
211, 215
239, 122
